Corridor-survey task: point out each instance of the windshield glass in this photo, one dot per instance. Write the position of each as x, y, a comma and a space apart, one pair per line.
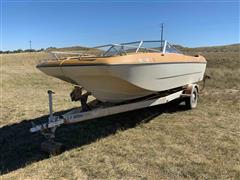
124, 49
171, 49
127, 48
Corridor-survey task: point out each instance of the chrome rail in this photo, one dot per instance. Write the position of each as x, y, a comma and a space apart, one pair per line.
121, 50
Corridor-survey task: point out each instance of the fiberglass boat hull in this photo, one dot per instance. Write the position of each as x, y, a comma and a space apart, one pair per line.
121, 82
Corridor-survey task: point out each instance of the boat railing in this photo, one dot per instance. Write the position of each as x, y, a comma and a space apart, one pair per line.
118, 49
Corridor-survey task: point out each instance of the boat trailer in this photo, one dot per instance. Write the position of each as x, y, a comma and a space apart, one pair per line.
96, 109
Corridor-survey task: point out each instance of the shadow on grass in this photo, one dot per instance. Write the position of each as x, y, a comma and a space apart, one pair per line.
19, 147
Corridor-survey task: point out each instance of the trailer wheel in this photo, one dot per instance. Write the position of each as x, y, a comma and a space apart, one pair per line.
191, 101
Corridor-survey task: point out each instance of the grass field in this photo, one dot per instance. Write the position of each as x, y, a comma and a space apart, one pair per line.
164, 142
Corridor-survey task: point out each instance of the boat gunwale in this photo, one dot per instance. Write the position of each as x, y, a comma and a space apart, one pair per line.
108, 64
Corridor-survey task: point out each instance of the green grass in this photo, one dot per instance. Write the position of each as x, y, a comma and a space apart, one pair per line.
164, 142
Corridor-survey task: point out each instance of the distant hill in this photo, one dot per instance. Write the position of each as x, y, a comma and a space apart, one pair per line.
217, 56
224, 48
73, 48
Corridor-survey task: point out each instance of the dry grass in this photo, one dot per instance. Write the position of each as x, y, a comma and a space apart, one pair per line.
24, 88
164, 142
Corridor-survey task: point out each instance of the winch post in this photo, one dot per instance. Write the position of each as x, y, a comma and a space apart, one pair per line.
50, 134
50, 104
50, 146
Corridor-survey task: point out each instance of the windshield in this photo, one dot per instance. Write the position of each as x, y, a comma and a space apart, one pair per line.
125, 48
134, 47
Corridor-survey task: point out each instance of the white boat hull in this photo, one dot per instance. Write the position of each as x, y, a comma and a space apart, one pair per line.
118, 83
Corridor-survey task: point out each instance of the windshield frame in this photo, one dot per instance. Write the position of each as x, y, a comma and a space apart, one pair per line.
162, 48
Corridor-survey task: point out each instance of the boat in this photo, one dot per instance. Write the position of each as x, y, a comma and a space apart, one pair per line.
122, 72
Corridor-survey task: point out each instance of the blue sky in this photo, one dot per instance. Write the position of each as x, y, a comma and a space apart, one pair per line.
70, 23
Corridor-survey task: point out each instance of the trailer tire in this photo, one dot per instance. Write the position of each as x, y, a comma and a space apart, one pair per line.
191, 101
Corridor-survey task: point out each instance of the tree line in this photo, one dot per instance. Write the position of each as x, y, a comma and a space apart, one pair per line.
21, 51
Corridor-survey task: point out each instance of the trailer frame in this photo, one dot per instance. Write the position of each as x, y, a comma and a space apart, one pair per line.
100, 109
